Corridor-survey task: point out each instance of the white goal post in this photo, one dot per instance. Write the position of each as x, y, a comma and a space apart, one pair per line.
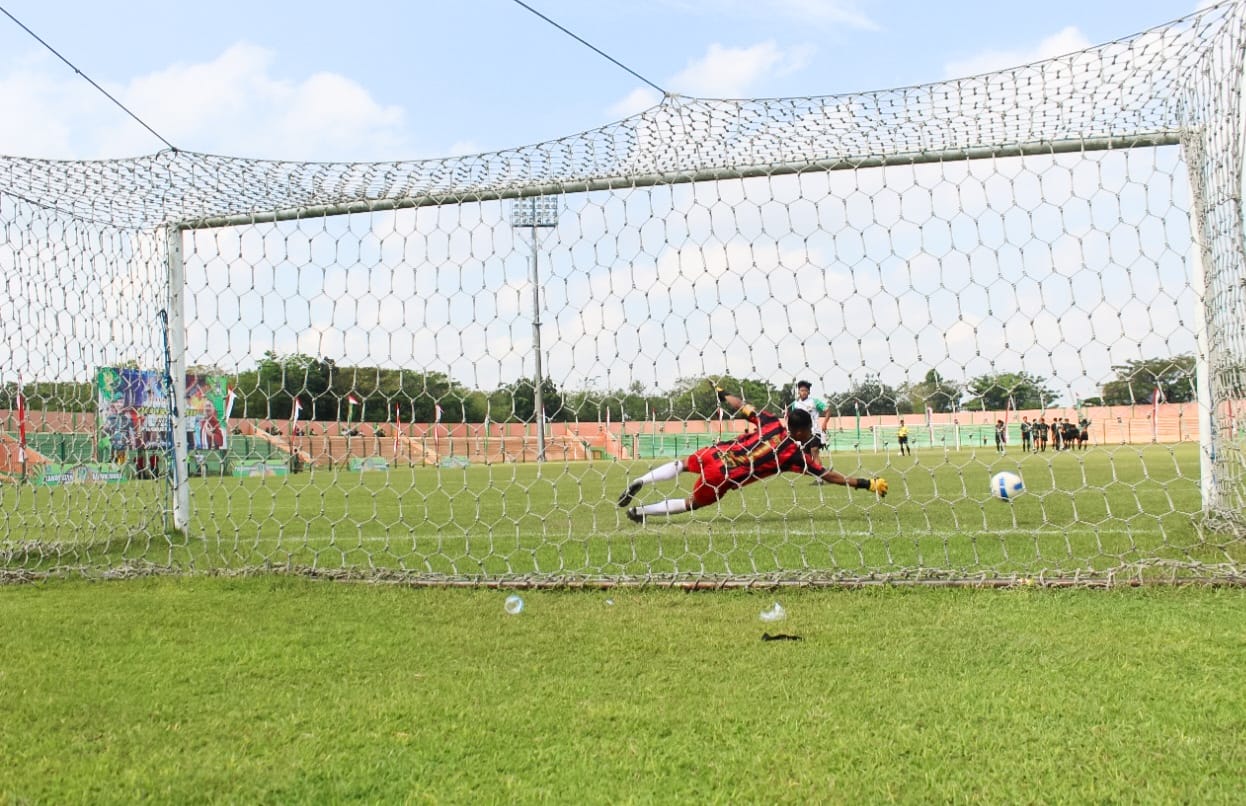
449, 369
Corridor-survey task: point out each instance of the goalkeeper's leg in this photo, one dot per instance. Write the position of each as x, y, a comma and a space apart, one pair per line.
666, 472
671, 506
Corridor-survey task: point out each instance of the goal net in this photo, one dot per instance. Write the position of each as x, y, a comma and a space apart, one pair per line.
450, 370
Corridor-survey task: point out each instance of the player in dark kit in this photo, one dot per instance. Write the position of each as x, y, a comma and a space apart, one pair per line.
768, 450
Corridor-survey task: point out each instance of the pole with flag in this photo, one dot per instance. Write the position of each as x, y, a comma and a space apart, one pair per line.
21, 426
295, 460
488, 411
231, 395
437, 414
351, 402
1156, 398
397, 430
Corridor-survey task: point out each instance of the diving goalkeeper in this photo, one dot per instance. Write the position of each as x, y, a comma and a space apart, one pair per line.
767, 451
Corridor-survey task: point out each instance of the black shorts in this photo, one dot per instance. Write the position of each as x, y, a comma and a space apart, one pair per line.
815, 444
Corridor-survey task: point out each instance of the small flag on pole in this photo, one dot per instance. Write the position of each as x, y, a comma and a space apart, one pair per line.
21, 422
437, 412
298, 409
231, 395
397, 428
1157, 397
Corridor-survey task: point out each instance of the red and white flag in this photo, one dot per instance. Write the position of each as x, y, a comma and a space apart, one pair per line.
397, 427
230, 396
298, 409
1157, 397
437, 412
21, 422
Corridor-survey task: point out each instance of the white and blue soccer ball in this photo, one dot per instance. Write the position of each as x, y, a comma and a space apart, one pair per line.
1006, 486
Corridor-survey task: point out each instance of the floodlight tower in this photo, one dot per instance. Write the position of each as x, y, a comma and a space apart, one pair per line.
534, 213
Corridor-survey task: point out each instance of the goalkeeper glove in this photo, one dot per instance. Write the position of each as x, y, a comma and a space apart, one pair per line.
722, 395
876, 486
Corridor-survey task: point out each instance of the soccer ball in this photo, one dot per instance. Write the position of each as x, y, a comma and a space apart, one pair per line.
1006, 486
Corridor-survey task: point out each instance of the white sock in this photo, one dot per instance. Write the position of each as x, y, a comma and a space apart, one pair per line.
671, 506
666, 472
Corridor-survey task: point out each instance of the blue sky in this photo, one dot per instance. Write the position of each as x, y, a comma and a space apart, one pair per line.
412, 80
407, 80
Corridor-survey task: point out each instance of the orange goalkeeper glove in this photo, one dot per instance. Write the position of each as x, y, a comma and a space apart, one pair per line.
876, 486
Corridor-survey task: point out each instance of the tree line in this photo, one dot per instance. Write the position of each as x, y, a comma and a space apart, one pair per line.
324, 389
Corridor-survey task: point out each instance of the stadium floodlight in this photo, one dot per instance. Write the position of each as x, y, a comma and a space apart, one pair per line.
535, 213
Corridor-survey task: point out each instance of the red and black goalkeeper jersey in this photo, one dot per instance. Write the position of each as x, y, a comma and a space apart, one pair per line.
766, 452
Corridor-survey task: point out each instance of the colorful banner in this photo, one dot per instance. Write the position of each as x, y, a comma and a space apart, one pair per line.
260, 468
207, 405
55, 475
133, 407
357, 465
133, 411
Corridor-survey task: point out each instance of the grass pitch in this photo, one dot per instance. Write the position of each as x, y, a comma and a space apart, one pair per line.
286, 690
1110, 508
275, 689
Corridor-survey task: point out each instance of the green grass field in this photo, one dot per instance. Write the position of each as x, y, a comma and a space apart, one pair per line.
1116, 509
287, 690
224, 686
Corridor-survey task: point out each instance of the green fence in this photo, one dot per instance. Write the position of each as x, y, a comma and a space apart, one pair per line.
241, 450
867, 439
653, 446
62, 448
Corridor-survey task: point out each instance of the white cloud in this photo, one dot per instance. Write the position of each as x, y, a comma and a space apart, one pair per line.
832, 12
241, 107
233, 104
34, 122
726, 72
637, 101
1068, 40
806, 12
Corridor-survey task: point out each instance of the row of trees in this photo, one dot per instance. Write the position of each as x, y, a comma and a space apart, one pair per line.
324, 389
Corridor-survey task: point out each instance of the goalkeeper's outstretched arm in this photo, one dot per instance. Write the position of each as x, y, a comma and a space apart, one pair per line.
878, 486
728, 399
